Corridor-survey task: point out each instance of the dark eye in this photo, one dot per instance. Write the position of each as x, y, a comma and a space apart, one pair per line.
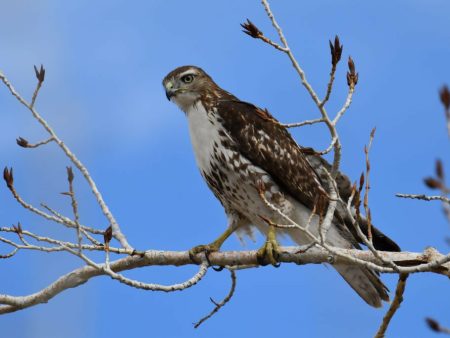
187, 78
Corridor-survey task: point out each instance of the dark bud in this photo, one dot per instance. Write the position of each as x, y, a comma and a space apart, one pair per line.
444, 94
361, 181
336, 51
40, 73
433, 325
352, 80
439, 170
107, 235
69, 174
432, 183
351, 65
8, 177
251, 29
352, 75
22, 142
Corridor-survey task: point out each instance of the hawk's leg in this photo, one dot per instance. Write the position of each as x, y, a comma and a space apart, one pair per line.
269, 253
214, 246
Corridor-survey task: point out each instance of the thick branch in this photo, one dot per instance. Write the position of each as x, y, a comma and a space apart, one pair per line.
408, 262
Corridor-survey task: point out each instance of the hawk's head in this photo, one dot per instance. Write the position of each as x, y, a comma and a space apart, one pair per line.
185, 85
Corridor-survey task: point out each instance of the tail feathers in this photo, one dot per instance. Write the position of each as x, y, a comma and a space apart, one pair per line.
365, 282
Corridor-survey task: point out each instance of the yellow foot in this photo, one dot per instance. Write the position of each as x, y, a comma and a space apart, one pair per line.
269, 253
207, 249
212, 247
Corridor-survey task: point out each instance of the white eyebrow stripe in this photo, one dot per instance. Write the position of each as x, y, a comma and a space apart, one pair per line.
189, 71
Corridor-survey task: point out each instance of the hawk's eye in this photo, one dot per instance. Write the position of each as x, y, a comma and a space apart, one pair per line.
187, 78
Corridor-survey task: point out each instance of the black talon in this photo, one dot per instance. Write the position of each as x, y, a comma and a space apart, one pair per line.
207, 253
220, 268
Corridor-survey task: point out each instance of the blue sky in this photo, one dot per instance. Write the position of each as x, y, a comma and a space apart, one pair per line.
105, 62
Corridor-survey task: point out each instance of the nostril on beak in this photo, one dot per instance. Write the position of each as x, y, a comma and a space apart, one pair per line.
169, 90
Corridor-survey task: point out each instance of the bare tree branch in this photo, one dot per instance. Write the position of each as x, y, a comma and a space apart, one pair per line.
425, 197
224, 301
30, 106
394, 306
25, 144
428, 261
303, 123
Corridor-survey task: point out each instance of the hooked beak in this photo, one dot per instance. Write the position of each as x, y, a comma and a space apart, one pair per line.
169, 94
170, 90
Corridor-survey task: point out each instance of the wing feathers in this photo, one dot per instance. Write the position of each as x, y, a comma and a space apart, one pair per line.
267, 144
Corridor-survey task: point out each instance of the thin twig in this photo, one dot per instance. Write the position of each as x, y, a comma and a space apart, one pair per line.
336, 53
425, 197
9, 255
367, 187
394, 306
330, 147
326, 223
56, 217
326, 119
329, 86
25, 144
74, 204
84, 229
273, 44
50, 240
348, 102
80, 166
159, 287
303, 123
220, 305
40, 75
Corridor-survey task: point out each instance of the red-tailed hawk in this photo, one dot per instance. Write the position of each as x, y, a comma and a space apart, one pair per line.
242, 151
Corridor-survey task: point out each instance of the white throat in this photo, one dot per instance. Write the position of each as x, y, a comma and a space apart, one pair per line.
185, 101
203, 131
